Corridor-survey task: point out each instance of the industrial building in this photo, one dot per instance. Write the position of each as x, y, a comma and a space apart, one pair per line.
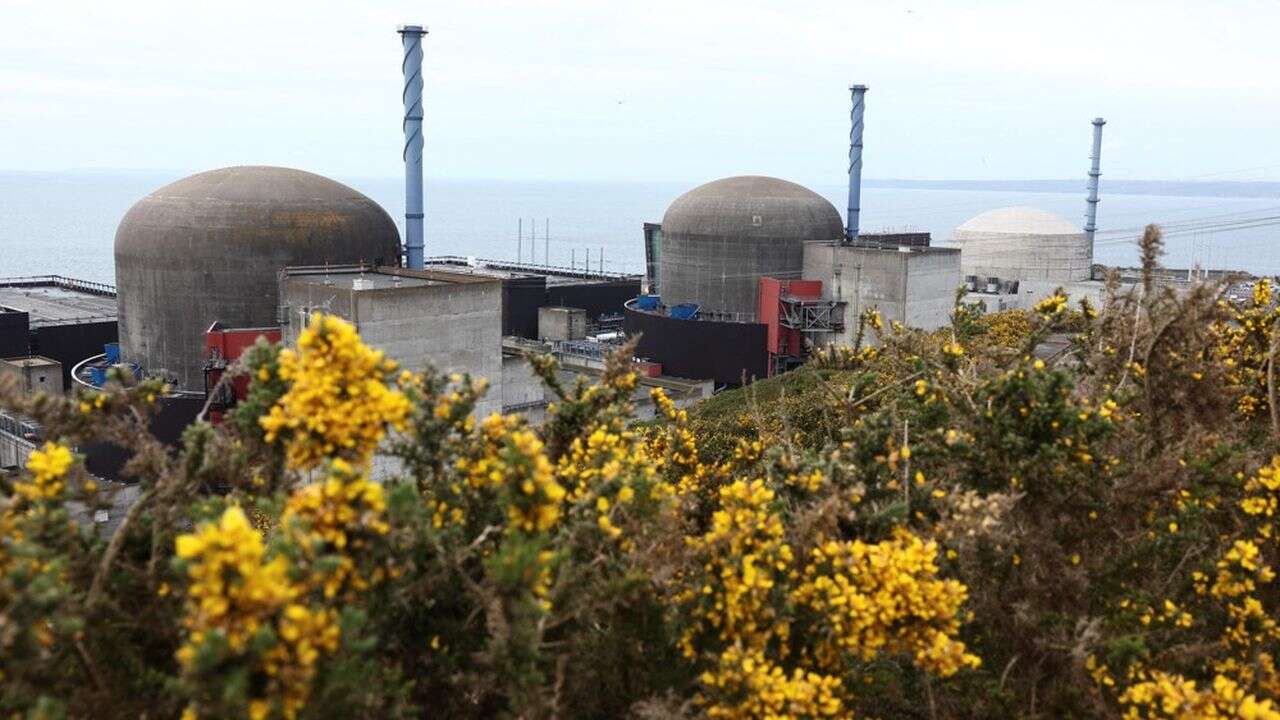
210, 247
720, 238
747, 274
744, 276
902, 276
527, 287
57, 317
1024, 243
1016, 256
419, 318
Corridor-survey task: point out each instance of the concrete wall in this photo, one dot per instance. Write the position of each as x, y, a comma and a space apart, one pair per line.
562, 323
932, 280
1029, 256
14, 450
722, 274
914, 288
35, 374
451, 327
521, 388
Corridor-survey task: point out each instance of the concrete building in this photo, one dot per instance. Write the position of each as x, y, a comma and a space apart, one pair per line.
720, 238
526, 287
57, 317
1023, 243
562, 323
912, 284
419, 318
35, 374
210, 247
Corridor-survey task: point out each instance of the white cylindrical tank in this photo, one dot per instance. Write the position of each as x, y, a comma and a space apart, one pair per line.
1023, 243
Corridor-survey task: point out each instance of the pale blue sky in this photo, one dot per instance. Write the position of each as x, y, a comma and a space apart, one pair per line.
651, 90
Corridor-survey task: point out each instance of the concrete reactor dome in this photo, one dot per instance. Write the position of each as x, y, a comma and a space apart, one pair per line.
1023, 243
720, 238
210, 247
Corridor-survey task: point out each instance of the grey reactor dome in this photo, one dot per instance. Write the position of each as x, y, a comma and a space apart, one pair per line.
209, 248
720, 238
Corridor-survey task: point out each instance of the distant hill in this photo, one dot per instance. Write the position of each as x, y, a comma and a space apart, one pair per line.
1114, 187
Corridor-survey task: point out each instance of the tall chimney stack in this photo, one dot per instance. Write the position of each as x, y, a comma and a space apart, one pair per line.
1095, 171
858, 93
411, 36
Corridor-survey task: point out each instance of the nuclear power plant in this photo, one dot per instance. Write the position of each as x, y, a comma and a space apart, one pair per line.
747, 275
744, 278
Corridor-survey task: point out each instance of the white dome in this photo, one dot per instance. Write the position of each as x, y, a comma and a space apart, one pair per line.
1023, 243
1021, 220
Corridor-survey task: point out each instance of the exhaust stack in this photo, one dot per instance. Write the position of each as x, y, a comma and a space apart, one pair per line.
1095, 171
858, 94
411, 37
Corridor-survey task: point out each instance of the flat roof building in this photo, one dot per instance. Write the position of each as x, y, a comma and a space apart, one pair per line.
446, 320
526, 287
61, 318
913, 284
35, 374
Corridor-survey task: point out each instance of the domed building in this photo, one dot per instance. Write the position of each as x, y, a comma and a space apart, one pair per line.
210, 247
720, 238
1023, 243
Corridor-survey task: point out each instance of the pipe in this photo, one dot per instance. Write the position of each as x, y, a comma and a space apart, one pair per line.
858, 95
411, 38
1095, 171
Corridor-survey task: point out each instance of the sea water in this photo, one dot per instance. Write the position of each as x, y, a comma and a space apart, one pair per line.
65, 223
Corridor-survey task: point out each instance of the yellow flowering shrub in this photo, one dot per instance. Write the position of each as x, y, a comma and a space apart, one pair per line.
1177, 698
339, 403
48, 467
942, 526
243, 609
1244, 346
333, 524
36, 625
884, 598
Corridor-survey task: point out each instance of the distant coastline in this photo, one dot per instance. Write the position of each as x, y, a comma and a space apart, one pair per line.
1164, 188
1261, 189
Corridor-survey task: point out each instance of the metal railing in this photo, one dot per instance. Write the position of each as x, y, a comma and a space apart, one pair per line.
537, 268
60, 281
703, 314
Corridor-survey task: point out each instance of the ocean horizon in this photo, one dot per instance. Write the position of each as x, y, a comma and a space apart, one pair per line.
64, 223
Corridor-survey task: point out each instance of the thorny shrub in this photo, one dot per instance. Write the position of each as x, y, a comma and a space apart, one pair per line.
961, 523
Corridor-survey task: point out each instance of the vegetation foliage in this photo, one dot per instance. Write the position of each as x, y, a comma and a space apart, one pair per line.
948, 524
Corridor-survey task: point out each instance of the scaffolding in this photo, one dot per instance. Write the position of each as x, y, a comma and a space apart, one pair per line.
810, 315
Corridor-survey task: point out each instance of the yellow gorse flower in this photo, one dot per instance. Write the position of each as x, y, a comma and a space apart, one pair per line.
48, 466
340, 517
235, 593
885, 598
339, 403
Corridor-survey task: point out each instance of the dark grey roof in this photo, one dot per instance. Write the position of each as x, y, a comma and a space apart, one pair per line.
753, 206
290, 205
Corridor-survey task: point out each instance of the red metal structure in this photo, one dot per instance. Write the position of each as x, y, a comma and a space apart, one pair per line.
222, 347
790, 309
